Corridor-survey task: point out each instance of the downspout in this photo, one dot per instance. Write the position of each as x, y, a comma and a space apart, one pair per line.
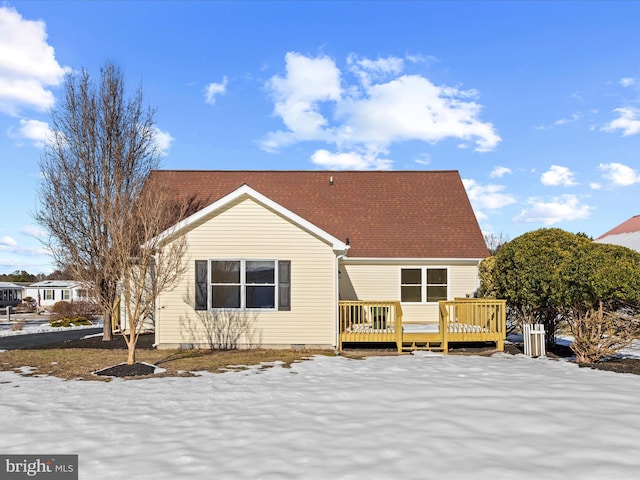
156, 323
337, 296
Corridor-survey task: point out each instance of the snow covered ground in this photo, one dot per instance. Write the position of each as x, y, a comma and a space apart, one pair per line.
422, 416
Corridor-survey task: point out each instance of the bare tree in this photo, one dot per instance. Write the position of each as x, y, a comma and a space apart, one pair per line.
93, 169
146, 257
495, 241
599, 332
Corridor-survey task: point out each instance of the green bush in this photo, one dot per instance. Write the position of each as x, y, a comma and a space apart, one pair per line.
550, 276
70, 322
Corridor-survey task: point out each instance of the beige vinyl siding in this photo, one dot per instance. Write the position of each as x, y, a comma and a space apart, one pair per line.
377, 281
463, 281
248, 230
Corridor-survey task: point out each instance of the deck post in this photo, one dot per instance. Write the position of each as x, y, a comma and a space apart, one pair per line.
398, 326
443, 326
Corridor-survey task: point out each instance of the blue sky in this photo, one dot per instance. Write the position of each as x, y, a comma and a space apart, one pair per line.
536, 104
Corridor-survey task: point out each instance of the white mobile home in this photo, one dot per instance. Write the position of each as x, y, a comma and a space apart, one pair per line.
48, 292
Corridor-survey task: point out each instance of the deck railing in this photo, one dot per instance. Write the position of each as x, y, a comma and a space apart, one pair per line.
459, 320
474, 320
378, 321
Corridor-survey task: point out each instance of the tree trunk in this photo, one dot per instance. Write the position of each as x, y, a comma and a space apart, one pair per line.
107, 332
131, 358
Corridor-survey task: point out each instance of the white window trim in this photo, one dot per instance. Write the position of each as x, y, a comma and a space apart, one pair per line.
423, 284
243, 284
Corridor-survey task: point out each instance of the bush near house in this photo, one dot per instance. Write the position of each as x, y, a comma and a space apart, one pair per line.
70, 322
66, 313
550, 276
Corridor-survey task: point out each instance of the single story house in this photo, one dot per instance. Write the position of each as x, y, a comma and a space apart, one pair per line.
48, 292
626, 234
272, 255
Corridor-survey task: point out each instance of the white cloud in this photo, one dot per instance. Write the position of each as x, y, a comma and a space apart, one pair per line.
627, 81
297, 97
595, 186
558, 176
410, 107
163, 141
33, 231
27, 64
35, 131
486, 197
577, 97
367, 70
215, 89
628, 121
619, 174
562, 121
499, 172
349, 161
374, 112
8, 241
574, 118
423, 159
559, 209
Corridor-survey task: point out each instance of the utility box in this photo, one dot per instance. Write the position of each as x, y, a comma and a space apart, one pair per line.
534, 340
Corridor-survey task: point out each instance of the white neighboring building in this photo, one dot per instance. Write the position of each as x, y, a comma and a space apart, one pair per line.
10, 294
48, 292
626, 234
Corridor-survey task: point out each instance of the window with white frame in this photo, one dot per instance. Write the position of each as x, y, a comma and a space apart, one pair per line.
66, 294
420, 285
48, 295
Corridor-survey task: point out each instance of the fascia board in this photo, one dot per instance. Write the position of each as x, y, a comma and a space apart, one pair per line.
411, 261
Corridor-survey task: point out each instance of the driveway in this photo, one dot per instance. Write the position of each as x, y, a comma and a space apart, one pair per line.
15, 342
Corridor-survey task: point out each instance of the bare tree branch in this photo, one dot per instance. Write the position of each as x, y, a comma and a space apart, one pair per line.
94, 169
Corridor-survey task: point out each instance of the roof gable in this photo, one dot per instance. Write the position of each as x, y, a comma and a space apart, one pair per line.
626, 234
245, 191
382, 214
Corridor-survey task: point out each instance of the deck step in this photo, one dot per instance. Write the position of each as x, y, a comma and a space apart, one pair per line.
426, 346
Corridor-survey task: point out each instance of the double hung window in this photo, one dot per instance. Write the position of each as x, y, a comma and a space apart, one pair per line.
420, 285
243, 284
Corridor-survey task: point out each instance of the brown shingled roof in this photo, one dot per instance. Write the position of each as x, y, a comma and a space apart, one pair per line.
390, 214
630, 226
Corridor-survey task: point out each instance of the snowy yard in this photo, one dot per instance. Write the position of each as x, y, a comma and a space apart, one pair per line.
414, 417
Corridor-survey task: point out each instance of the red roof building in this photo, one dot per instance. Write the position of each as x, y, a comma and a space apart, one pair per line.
626, 234
383, 214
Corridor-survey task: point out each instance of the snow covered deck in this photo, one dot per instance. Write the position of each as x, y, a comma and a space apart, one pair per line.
460, 321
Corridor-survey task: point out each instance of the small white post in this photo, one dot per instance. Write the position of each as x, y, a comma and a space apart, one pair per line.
534, 341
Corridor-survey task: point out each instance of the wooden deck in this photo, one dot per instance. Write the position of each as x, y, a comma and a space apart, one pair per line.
459, 321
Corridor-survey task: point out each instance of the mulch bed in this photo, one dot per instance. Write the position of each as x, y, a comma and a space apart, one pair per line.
124, 370
618, 365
